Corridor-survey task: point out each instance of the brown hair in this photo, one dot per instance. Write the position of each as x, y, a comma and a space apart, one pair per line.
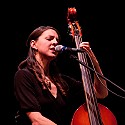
37, 32
33, 65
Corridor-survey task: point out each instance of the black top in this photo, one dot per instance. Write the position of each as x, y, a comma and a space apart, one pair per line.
32, 98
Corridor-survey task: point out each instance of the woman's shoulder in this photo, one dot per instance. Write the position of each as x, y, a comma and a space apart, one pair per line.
24, 78
23, 72
69, 78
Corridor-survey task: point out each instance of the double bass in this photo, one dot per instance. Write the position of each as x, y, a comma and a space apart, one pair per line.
91, 112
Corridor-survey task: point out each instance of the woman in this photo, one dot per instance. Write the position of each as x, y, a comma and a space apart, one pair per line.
44, 96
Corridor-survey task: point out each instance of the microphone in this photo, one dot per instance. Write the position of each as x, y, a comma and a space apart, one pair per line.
60, 48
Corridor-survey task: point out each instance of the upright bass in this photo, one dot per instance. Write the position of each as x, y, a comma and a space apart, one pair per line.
91, 112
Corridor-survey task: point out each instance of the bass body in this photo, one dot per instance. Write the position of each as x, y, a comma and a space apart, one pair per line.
81, 116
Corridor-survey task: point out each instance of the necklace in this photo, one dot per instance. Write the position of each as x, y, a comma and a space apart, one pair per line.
48, 82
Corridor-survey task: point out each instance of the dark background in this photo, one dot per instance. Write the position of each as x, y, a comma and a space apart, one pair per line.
102, 25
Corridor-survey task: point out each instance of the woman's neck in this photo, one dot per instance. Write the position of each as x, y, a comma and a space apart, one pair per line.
44, 64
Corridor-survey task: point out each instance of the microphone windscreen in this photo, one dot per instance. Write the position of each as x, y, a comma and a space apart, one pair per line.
58, 48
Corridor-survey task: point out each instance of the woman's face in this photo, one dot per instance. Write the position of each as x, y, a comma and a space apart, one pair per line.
46, 43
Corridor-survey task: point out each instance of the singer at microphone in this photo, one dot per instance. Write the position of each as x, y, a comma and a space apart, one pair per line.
61, 48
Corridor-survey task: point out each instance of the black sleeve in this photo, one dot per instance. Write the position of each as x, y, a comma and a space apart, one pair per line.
25, 91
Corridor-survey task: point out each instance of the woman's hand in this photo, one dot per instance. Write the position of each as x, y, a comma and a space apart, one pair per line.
86, 46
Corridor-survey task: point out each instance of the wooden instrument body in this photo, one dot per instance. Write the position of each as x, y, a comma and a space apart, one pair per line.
81, 116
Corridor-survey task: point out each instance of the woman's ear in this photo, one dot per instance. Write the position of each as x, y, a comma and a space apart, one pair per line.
33, 44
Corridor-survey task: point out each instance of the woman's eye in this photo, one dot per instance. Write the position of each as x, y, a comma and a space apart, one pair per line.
51, 38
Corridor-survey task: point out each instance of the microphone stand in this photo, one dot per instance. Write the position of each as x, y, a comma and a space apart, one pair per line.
74, 57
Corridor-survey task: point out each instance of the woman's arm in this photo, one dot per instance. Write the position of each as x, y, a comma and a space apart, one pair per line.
99, 83
37, 119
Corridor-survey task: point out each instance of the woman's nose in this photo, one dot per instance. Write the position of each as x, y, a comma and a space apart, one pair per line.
55, 41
